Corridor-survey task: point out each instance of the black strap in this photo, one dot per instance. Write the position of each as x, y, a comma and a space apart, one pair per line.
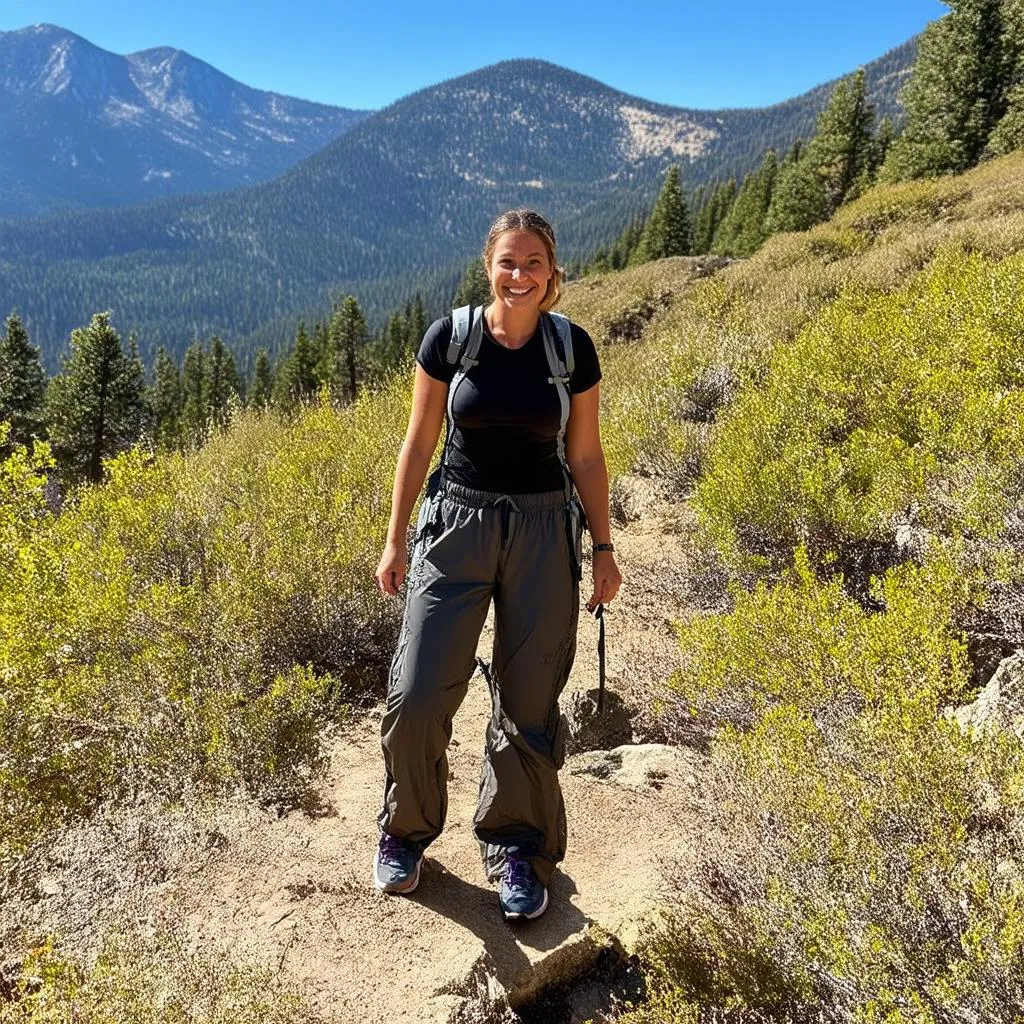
599, 615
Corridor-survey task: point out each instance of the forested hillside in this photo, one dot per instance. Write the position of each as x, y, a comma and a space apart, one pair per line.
395, 207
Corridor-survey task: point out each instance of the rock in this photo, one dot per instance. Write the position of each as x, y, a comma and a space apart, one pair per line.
635, 766
632, 497
589, 730
1000, 705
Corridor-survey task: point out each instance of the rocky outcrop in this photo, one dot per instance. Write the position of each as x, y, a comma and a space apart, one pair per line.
1000, 705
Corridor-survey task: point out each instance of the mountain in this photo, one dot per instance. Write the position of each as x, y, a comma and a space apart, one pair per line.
82, 127
397, 204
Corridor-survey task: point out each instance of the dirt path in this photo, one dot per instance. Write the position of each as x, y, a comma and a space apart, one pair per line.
294, 894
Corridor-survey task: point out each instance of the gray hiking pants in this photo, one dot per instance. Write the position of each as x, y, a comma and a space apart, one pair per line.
470, 547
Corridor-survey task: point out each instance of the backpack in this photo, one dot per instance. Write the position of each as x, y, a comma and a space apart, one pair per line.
464, 348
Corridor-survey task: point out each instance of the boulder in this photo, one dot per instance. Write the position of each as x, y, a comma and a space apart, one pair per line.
1000, 705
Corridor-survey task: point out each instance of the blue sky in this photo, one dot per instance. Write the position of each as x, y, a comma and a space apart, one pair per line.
366, 55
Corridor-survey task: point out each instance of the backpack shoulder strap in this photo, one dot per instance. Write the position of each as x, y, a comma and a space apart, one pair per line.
564, 333
467, 334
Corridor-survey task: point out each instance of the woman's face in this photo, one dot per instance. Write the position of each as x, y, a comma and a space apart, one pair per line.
520, 270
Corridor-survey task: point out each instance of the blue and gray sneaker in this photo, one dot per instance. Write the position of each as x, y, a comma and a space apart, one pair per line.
520, 893
396, 864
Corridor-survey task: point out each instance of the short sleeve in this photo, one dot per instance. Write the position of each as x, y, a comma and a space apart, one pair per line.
588, 367
433, 350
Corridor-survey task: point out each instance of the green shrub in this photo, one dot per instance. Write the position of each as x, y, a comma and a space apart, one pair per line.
906, 407
867, 850
148, 981
193, 621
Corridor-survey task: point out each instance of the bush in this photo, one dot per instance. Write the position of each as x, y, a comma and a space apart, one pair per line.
193, 621
888, 409
868, 859
148, 981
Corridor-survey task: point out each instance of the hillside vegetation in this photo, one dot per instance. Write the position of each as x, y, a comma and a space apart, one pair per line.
197, 622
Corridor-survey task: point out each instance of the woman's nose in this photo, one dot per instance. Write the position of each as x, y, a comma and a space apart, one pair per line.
515, 272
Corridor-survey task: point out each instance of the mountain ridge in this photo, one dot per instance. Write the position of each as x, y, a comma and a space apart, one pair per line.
85, 127
396, 205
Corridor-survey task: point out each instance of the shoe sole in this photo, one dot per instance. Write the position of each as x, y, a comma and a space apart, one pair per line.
391, 887
512, 915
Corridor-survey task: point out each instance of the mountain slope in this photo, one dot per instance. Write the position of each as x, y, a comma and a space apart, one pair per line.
83, 127
397, 204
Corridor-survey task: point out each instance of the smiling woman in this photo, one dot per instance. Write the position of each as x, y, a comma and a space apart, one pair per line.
502, 519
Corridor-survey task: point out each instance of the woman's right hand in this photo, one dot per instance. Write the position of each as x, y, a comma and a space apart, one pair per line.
391, 570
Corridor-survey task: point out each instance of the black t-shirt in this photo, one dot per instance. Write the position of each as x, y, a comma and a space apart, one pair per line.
506, 411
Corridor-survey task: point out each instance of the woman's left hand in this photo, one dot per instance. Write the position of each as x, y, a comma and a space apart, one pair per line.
607, 579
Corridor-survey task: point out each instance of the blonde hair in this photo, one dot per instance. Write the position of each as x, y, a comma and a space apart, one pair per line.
527, 220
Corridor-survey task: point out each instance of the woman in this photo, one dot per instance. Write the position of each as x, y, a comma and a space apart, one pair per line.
500, 521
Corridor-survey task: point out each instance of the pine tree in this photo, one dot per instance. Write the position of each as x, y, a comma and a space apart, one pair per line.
165, 400
298, 377
798, 201
1008, 134
667, 232
841, 149
474, 288
94, 406
261, 391
956, 95
882, 144
195, 412
743, 229
22, 385
712, 214
836, 165
222, 386
416, 325
348, 338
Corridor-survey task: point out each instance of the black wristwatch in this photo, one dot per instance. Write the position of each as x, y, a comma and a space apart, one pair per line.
603, 547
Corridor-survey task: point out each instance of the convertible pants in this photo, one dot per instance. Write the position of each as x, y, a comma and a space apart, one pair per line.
522, 551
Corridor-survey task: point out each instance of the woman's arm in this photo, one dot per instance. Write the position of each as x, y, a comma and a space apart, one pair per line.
429, 398
585, 456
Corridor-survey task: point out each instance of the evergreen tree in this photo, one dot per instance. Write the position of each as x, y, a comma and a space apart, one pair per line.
416, 321
165, 401
298, 377
22, 385
348, 338
1009, 132
222, 386
882, 144
667, 232
195, 413
261, 391
94, 406
834, 167
474, 288
957, 92
798, 201
743, 229
625, 245
712, 214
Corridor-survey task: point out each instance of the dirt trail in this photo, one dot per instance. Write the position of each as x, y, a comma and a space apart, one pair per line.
294, 894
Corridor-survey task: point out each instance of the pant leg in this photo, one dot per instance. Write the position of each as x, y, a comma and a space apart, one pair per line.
536, 616
449, 587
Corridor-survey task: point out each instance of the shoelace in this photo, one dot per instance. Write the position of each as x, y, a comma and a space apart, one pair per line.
391, 847
518, 872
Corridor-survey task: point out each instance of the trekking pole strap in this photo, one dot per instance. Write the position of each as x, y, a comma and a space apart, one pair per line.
599, 615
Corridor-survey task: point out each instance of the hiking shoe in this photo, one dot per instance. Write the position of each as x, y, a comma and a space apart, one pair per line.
520, 893
396, 864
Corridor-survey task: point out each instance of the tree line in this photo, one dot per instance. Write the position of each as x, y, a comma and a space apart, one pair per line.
964, 102
104, 400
